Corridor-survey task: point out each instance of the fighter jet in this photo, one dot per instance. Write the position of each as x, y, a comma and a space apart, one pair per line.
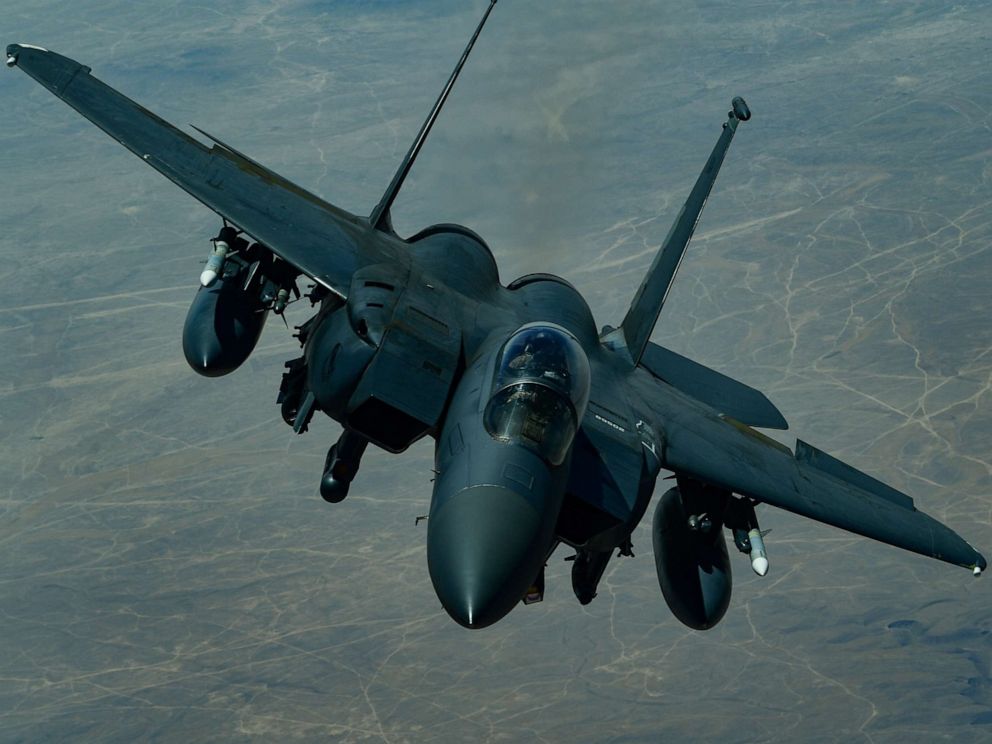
547, 430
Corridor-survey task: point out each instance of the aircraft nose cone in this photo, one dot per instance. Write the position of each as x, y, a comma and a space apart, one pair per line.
485, 546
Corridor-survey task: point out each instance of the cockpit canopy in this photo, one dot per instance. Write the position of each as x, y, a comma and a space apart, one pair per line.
540, 390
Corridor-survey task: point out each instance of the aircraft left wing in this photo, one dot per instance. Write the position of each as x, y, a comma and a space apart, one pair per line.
720, 451
321, 240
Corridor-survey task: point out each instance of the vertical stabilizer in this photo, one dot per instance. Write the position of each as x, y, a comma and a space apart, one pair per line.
380, 217
635, 331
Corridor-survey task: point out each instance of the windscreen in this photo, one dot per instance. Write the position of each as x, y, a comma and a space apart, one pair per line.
540, 389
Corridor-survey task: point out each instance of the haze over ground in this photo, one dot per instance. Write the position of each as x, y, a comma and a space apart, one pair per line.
167, 570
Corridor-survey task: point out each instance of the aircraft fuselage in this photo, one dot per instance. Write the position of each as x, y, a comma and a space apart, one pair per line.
381, 364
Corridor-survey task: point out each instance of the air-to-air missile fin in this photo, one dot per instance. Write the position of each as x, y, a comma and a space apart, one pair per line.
640, 320
722, 393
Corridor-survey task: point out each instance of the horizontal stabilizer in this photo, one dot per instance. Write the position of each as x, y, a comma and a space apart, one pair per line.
723, 394
823, 462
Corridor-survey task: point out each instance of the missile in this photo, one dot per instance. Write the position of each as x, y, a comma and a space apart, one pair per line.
743, 522
215, 262
759, 558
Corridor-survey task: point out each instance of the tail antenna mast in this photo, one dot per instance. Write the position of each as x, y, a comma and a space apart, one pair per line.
380, 215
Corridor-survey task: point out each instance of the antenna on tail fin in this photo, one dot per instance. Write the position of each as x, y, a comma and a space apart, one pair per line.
635, 331
380, 215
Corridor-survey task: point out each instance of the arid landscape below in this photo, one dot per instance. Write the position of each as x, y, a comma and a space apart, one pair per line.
168, 571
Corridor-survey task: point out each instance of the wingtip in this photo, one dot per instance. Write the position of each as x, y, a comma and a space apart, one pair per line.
14, 52
980, 565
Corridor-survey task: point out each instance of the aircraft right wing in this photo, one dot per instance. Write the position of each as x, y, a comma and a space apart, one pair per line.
321, 240
723, 452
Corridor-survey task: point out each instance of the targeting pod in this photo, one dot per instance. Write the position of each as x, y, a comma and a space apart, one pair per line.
341, 466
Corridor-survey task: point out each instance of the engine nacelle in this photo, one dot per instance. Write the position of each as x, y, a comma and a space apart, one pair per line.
690, 554
223, 325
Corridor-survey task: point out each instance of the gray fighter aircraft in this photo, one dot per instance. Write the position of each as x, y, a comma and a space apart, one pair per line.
547, 431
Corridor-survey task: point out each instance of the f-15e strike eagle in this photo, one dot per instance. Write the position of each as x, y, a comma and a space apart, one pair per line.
547, 430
